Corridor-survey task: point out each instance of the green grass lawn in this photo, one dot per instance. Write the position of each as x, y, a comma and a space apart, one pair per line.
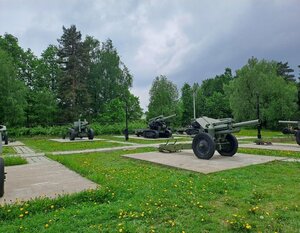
43, 144
8, 150
280, 153
138, 196
13, 160
264, 133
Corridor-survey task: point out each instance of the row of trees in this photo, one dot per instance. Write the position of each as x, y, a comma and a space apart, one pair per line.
85, 77
271, 83
75, 77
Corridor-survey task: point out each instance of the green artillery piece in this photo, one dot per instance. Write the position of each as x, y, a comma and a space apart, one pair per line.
290, 129
158, 128
4, 136
214, 134
80, 129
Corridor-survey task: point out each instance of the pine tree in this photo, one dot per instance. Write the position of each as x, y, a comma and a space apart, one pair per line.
74, 63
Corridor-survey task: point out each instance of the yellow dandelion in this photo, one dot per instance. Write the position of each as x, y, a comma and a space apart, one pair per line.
21, 215
52, 206
26, 212
21, 209
46, 225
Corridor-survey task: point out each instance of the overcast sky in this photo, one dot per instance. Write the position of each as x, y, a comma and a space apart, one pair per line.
186, 40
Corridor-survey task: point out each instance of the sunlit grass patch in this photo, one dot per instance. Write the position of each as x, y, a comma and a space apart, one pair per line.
43, 144
280, 153
137, 196
13, 160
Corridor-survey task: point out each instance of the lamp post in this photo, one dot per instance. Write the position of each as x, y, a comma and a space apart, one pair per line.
126, 133
258, 117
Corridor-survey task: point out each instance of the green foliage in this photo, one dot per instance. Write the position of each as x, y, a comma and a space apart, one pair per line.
13, 91
277, 97
74, 63
211, 100
163, 97
187, 104
284, 70
99, 129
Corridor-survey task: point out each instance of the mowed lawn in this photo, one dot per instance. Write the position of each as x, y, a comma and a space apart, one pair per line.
136, 196
10, 157
44, 144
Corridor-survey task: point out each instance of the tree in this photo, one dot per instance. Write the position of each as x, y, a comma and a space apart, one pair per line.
109, 77
277, 97
74, 61
163, 97
211, 98
187, 104
13, 92
285, 71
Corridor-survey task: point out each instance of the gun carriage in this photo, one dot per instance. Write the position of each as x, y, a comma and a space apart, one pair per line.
4, 134
293, 127
211, 134
158, 128
80, 129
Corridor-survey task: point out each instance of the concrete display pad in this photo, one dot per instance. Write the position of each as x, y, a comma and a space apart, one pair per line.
76, 140
274, 146
188, 161
151, 139
44, 179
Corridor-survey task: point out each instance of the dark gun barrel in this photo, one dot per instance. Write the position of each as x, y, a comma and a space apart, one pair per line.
288, 122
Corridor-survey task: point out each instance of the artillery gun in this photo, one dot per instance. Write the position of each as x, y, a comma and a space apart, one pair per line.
4, 136
158, 128
293, 127
80, 129
214, 134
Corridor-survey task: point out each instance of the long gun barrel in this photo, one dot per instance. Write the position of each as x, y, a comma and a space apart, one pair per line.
167, 117
289, 122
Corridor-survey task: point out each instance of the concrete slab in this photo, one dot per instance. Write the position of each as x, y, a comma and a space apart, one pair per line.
41, 179
76, 140
188, 161
150, 139
16, 143
274, 146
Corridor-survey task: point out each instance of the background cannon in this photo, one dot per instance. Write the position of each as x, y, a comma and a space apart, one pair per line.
80, 129
293, 127
4, 134
158, 128
214, 134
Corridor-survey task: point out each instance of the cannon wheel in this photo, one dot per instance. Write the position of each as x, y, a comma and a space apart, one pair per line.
72, 134
231, 147
91, 134
203, 146
2, 177
298, 137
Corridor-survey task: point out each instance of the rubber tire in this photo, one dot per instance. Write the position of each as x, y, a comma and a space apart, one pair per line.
72, 135
2, 177
297, 134
209, 151
5, 137
91, 134
233, 146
